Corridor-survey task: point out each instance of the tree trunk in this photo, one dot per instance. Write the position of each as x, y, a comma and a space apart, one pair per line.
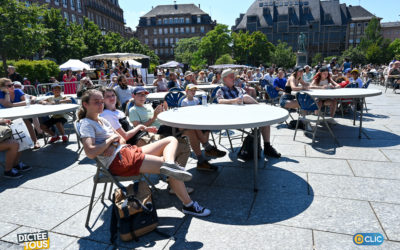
4, 65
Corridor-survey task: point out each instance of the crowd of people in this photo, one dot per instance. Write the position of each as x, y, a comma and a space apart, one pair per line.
120, 127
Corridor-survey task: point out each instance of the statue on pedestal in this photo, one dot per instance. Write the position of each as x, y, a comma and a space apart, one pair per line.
302, 42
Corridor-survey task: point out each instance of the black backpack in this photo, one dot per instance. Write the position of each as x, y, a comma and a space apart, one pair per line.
246, 152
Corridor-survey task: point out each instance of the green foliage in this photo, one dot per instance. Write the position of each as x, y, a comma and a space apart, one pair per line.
317, 58
198, 62
92, 38
186, 47
374, 54
394, 48
22, 33
372, 34
355, 55
283, 55
329, 59
112, 42
134, 46
215, 43
225, 59
41, 70
152, 67
251, 48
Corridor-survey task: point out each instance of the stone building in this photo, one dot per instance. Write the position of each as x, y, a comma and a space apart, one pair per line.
390, 30
105, 13
163, 26
330, 26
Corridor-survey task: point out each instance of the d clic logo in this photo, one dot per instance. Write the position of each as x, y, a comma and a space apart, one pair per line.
368, 239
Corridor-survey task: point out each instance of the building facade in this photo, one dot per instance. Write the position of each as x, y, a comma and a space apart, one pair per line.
163, 26
105, 13
330, 27
391, 30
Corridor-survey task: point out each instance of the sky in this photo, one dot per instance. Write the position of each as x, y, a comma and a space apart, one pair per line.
226, 12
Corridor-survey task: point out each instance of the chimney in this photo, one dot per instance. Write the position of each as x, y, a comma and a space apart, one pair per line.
176, 6
199, 6
151, 7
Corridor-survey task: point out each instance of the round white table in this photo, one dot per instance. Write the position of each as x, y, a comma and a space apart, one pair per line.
149, 88
44, 97
36, 110
220, 116
352, 93
159, 96
207, 87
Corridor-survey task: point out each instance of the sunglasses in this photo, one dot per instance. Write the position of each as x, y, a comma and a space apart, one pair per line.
10, 85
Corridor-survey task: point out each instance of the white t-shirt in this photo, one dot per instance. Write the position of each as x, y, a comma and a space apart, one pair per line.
194, 102
92, 129
113, 117
161, 85
124, 94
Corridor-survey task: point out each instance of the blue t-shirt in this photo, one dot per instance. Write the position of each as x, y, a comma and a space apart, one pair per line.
17, 93
280, 83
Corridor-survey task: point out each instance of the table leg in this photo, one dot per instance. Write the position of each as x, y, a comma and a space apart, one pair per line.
255, 148
355, 111
361, 117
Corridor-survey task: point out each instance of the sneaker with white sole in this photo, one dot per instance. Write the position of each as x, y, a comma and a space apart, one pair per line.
196, 210
12, 174
175, 171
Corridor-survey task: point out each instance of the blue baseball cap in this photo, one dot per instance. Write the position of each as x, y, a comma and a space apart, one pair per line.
347, 70
140, 89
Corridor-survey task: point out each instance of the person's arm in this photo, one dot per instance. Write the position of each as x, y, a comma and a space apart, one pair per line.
66, 100
335, 84
92, 150
148, 123
315, 86
6, 101
5, 121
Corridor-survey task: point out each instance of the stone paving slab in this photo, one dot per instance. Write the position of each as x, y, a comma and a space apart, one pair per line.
385, 170
6, 228
388, 215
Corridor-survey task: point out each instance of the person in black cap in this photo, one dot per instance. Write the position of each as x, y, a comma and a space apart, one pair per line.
296, 83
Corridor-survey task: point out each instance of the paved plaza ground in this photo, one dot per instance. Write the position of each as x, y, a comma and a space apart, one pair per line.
312, 198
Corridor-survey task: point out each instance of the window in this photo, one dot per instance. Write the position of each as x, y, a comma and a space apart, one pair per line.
156, 51
198, 19
171, 20
154, 31
146, 32
352, 25
176, 20
166, 31
148, 21
48, 1
176, 30
182, 30
81, 21
166, 41
155, 41
165, 20
181, 20
146, 41
160, 31
73, 18
193, 29
66, 17
365, 24
79, 5
358, 40
65, 3
187, 20
202, 29
72, 4
171, 40
56, 2
176, 40
159, 21
351, 41
171, 30
187, 30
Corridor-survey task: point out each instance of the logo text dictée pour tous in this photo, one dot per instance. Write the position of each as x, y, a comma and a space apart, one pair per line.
31, 241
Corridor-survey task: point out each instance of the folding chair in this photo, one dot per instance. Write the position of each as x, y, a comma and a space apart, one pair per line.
172, 98
175, 90
308, 104
102, 175
365, 86
30, 90
273, 95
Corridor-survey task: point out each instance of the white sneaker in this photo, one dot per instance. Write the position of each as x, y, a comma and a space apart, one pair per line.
196, 210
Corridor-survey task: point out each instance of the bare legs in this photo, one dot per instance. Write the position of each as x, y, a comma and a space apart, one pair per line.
32, 133
12, 154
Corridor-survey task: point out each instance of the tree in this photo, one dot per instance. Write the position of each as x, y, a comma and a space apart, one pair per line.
240, 48
372, 34
215, 43
92, 37
22, 33
394, 48
260, 49
283, 55
225, 59
75, 46
184, 52
134, 46
355, 55
112, 42
374, 54
317, 59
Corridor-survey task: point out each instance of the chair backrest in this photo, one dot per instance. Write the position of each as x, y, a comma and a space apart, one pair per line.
49, 93
175, 89
271, 91
172, 99
306, 102
365, 86
77, 126
352, 85
73, 100
213, 94
30, 90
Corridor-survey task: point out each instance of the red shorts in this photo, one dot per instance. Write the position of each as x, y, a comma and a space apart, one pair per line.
129, 163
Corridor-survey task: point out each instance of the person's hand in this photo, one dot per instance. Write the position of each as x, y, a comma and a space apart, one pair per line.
151, 129
109, 151
115, 138
158, 110
305, 87
237, 100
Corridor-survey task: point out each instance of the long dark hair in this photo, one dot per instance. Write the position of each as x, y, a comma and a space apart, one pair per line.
86, 98
119, 81
104, 90
317, 77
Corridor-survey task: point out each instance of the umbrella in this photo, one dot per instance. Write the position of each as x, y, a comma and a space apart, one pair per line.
171, 64
228, 66
74, 65
115, 56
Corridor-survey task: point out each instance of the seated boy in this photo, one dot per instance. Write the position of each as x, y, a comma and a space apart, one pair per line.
58, 120
198, 136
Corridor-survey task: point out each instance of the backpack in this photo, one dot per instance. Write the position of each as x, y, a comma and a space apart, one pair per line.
246, 152
292, 125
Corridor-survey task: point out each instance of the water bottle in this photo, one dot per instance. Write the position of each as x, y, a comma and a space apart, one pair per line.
204, 100
241, 98
28, 100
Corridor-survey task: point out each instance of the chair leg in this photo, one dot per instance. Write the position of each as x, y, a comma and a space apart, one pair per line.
109, 194
213, 139
315, 129
331, 132
365, 104
229, 138
220, 135
91, 203
297, 125
104, 192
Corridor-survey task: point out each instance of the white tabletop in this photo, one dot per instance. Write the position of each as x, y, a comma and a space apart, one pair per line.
220, 116
161, 95
44, 97
36, 110
343, 93
149, 87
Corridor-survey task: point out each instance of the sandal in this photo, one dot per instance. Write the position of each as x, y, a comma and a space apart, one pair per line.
37, 145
